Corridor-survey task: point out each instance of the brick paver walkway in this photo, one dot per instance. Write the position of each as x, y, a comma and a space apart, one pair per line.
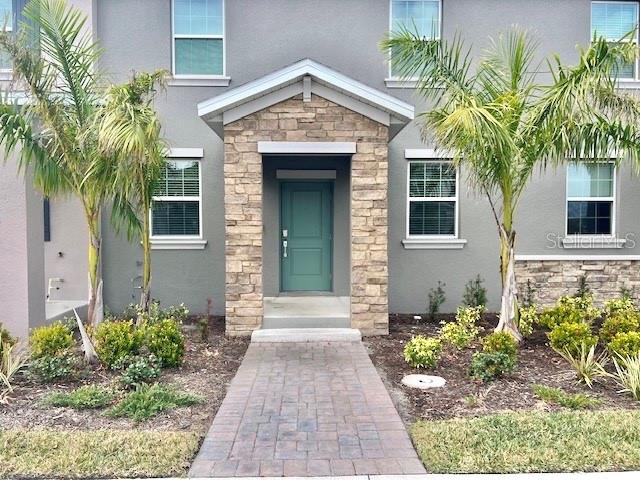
306, 409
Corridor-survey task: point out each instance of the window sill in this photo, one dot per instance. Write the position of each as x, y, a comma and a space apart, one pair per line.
629, 84
434, 243
593, 242
398, 83
178, 244
186, 81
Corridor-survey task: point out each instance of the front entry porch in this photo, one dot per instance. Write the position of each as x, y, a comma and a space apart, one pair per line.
302, 114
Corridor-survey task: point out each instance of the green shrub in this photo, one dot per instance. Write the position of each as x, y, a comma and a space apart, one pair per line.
164, 339
557, 396
620, 321
500, 342
50, 340
115, 340
422, 352
617, 305
156, 313
83, 398
587, 365
625, 344
50, 368
5, 339
570, 310
571, 336
149, 400
627, 375
436, 299
487, 366
138, 370
475, 295
464, 330
527, 319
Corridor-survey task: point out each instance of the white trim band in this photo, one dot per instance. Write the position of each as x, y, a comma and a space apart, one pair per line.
576, 258
178, 81
321, 148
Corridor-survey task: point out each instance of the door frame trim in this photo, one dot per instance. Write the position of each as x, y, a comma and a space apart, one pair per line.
286, 174
332, 184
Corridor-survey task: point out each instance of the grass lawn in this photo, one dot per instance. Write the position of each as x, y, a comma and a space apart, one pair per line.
531, 442
99, 453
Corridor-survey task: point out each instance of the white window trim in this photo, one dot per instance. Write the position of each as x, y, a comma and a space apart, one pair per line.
623, 83
180, 242
432, 241
393, 81
593, 240
199, 80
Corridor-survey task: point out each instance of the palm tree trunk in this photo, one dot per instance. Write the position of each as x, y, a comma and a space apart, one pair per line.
95, 309
145, 296
509, 305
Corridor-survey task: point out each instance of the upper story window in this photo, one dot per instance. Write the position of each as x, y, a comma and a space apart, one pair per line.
591, 199
613, 20
198, 38
176, 210
6, 22
418, 16
432, 208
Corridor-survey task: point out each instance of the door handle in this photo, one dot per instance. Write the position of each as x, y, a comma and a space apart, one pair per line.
284, 248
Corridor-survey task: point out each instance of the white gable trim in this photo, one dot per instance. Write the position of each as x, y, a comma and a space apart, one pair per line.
289, 81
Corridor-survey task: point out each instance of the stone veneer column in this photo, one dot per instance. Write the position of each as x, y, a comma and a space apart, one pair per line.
316, 120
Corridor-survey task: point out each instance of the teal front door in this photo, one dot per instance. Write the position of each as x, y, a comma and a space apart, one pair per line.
306, 233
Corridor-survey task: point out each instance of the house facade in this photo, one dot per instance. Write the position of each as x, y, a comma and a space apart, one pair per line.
300, 188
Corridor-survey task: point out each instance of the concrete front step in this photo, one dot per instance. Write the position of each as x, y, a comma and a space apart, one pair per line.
290, 322
306, 335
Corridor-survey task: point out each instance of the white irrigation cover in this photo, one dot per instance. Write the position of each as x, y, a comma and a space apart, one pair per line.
423, 381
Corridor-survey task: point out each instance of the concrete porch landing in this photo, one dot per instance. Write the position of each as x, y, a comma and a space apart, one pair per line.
306, 409
305, 311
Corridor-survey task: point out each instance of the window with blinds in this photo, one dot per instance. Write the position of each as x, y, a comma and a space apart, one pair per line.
590, 198
418, 16
198, 37
432, 200
176, 202
613, 20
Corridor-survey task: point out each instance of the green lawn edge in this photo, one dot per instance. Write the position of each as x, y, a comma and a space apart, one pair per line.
526, 442
99, 453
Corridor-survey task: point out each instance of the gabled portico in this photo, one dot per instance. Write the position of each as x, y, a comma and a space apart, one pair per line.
309, 118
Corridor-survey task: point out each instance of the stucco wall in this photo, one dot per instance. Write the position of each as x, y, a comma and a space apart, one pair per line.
265, 35
21, 252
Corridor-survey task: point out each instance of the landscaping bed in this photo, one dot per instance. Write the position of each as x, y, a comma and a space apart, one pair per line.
537, 364
207, 368
504, 425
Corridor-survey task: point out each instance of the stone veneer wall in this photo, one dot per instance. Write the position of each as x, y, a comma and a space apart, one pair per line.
554, 278
296, 121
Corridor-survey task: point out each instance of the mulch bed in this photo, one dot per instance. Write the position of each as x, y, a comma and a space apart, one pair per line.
207, 370
537, 364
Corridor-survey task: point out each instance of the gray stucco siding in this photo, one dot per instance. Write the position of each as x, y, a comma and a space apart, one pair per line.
265, 35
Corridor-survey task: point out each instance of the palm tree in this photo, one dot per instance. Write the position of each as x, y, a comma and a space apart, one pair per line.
501, 119
130, 128
48, 118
